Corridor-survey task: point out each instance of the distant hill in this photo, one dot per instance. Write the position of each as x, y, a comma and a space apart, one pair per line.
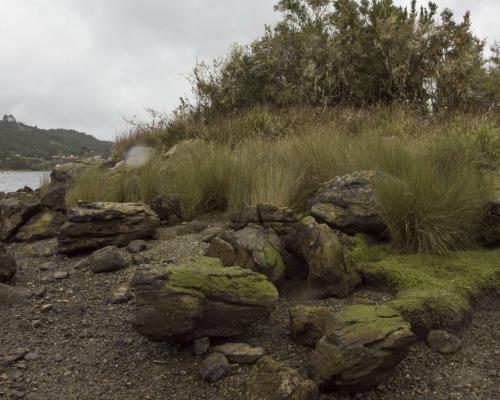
29, 147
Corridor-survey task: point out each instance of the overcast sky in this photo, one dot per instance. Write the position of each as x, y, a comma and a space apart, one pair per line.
83, 64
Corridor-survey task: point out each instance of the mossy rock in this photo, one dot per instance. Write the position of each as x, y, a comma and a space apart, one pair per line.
44, 225
432, 292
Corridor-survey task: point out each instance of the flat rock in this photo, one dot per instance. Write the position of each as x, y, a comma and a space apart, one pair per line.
199, 298
271, 380
43, 225
214, 367
443, 342
240, 353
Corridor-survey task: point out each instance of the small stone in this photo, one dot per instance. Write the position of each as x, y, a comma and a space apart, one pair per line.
200, 346
58, 357
82, 264
107, 259
214, 367
60, 275
15, 355
46, 307
240, 353
443, 342
136, 246
40, 291
32, 356
47, 266
120, 294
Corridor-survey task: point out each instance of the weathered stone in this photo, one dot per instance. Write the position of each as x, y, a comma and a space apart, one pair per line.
107, 259
199, 298
136, 246
200, 346
349, 203
60, 275
252, 247
94, 225
214, 367
443, 342
308, 324
331, 270
15, 210
211, 232
271, 380
8, 265
166, 207
192, 227
240, 353
13, 295
44, 225
270, 216
360, 347
120, 294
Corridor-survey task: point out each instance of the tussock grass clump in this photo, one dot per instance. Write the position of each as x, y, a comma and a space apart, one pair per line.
90, 185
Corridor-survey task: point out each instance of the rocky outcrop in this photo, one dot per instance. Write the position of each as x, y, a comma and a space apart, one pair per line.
91, 226
8, 265
361, 346
349, 203
61, 179
271, 380
308, 324
331, 270
15, 210
44, 225
199, 298
252, 247
280, 219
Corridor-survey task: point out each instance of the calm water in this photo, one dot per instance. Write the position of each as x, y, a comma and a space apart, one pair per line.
10, 181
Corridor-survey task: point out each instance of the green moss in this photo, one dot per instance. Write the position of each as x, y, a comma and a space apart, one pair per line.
273, 258
435, 291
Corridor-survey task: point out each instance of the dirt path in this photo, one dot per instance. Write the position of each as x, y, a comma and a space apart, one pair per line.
82, 347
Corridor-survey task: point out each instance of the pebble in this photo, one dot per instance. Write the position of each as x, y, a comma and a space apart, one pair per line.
60, 275
46, 307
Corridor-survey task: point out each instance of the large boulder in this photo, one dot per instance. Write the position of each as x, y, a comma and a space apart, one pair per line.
361, 346
349, 203
331, 270
94, 225
15, 210
8, 266
44, 225
62, 178
271, 380
252, 247
199, 298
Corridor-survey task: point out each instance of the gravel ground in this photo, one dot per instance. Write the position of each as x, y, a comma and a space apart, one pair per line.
82, 347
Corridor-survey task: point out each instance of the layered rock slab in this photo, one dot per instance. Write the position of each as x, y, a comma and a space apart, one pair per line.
199, 298
91, 226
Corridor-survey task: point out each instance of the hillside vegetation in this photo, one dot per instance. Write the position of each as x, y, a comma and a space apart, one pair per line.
27, 147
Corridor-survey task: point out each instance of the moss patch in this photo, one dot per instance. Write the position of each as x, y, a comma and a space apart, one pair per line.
432, 292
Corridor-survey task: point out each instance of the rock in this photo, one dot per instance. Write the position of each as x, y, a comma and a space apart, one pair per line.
167, 207
214, 367
46, 308
120, 294
271, 380
107, 259
280, 219
47, 266
200, 346
331, 270
360, 347
15, 210
443, 342
8, 266
136, 246
191, 228
211, 232
308, 324
252, 247
240, 353
10, 295
94, 225
44, 225
199, 298
61, 179
60, 275
349, 203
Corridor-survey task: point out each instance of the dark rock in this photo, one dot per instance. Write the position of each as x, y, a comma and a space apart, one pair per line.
240, 353
15, 210
44, 225
107, 259
308, 324
360, 347
8, 265
252, 247
443, 342
200, 346
94, 225
167, 208
271, 380
331, 270
136, 246
199, 298
191, 228
214, 367
280, 219
349, 203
